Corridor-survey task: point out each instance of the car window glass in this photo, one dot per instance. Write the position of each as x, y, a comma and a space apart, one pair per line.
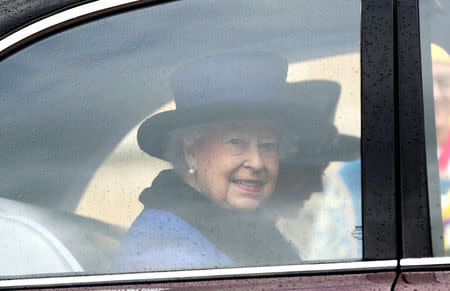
435, 44
187, 135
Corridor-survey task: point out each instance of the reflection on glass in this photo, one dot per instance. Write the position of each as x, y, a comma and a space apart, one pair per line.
441, 94
191, 134
435, 45
232, 131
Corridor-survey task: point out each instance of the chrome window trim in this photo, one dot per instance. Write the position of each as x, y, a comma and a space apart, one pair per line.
200, 274
419, 262
66, 16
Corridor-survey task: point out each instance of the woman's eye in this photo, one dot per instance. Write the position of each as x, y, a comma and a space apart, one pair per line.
235, 141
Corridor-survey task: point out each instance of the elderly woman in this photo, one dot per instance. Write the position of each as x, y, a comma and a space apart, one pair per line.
225, 140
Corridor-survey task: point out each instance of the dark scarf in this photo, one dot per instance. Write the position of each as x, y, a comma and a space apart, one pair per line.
247, 238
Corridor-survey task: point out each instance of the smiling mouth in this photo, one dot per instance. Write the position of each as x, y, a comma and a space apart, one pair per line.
248, 186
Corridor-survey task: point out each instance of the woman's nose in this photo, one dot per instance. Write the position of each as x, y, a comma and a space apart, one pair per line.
253, 157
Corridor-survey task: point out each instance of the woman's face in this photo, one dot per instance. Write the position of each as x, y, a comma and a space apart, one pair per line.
236, 164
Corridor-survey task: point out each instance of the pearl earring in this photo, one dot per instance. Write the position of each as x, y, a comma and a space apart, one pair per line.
191, 171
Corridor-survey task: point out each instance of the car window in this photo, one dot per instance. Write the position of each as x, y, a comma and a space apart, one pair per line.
187, 135
435, 45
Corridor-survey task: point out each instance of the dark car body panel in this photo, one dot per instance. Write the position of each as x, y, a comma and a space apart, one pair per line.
369, 281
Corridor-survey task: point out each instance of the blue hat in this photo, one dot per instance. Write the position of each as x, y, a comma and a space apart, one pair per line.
243, 87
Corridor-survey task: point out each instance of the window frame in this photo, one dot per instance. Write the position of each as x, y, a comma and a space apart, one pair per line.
416, 238
379, 150
378, 143
420, 222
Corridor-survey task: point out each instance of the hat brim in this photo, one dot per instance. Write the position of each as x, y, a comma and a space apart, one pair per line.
319, 139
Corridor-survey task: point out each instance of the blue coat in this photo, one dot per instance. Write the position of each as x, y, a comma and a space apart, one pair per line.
160, 240
180, 228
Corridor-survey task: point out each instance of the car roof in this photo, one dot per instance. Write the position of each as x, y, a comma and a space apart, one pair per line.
18, 13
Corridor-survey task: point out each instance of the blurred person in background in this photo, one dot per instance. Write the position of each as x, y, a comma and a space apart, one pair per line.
441, 94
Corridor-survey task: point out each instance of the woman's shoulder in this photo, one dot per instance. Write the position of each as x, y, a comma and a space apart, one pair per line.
156, 221
161, 240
